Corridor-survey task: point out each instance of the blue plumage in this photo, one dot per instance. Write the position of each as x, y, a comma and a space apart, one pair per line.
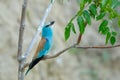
44, 45
48, 34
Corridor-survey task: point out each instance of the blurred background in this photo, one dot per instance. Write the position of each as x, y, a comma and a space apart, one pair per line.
75, 64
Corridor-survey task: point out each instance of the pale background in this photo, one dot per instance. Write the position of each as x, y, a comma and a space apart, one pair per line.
93, 64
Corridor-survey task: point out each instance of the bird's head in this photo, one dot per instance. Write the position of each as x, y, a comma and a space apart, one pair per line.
47, 30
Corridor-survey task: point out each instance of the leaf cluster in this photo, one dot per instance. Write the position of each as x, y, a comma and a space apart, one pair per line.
98, 10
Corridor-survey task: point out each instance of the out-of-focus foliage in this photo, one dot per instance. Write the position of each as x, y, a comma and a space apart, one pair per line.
97, 10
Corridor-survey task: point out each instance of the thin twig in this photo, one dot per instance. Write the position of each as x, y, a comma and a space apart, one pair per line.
77, 47
59, 53
80, 35
98, 47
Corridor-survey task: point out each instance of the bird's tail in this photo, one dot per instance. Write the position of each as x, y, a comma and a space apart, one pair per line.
27, 71
33, 63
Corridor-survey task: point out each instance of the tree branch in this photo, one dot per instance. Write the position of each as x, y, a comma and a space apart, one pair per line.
21, 30
79, 47
80, 35
97, 47
20, 42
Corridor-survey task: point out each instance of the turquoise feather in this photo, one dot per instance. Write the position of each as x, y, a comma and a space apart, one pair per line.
47, 33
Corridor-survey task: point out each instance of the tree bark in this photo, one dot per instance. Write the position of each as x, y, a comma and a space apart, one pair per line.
20, 42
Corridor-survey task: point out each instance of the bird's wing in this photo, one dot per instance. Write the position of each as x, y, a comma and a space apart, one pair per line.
40, 47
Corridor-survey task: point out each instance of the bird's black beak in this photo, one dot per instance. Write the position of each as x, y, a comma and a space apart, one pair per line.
50, 24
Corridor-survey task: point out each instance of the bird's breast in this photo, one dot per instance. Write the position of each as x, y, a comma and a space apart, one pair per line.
48, 43
46, 48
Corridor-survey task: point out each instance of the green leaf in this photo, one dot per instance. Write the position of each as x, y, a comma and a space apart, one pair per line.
114, 33
81, 24
92, 9
67, 31
112, 40
118, 4
86, 1
104, 3
108, 37
100, 16
89, 1
73, 28
87, 16
103, 25
113, 14
115, 4
82, 4
105, 30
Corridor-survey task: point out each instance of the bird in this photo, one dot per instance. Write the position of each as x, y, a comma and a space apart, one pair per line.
44, 45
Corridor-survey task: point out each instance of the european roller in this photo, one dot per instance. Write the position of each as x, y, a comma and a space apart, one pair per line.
43, 46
